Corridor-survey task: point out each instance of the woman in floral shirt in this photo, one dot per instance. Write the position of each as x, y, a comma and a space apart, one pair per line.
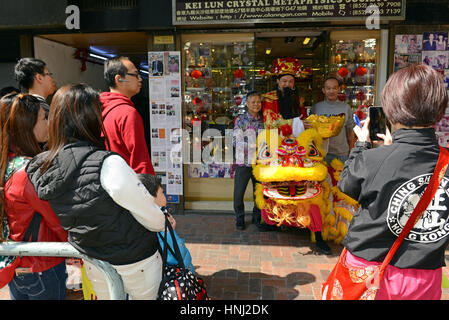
245, 133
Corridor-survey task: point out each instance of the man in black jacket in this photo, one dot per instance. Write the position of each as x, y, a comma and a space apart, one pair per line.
388, 182
157, 66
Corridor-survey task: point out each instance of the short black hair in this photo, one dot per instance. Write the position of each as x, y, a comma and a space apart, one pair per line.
252, 93
151, 183
6, 90
25, 71
113, 67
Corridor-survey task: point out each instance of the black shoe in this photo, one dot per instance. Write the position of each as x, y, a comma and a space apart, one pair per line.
321, 245
266, 227
323, 248
256, 218
240, 223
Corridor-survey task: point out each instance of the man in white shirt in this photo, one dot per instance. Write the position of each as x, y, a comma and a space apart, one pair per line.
34, 78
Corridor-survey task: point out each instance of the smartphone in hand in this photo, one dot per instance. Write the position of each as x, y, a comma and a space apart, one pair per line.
377, 122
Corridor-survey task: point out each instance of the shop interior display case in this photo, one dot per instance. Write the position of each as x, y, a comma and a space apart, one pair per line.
353, 61
218, 73
217, 77
220, 69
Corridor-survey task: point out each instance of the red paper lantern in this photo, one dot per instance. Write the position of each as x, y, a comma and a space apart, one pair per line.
239, 73
360, 96
343, 72
195, 74
238, 100
361, 71
360, 112
342, 96
197, 101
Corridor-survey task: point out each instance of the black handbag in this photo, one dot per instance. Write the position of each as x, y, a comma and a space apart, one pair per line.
178, 282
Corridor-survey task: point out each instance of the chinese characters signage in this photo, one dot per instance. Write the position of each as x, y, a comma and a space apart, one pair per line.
254, 11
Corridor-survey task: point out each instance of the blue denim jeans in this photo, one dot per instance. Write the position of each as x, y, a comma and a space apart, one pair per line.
46, 285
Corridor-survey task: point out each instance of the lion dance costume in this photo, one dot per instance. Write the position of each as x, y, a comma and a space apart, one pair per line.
294, 187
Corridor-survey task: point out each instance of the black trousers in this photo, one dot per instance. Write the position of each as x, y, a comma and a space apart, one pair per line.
241, 180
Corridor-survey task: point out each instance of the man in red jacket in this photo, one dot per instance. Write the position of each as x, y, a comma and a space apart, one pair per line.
122, 122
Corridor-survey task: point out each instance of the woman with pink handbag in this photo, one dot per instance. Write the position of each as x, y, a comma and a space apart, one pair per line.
393, 183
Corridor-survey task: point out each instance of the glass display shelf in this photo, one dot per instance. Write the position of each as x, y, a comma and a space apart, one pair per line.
353, 63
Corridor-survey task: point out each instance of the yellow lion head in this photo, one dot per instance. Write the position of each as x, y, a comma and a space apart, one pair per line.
292, 177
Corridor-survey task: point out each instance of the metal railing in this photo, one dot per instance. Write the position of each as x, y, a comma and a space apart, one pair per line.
65, 249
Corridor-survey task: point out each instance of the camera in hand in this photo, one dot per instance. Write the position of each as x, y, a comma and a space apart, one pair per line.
377, 123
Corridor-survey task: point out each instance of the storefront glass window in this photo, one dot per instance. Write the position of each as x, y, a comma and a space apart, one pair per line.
353, 63
220, 69
217, 76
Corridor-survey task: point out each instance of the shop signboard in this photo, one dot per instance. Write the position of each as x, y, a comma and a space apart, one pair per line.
187, 12
169, 39
36, 14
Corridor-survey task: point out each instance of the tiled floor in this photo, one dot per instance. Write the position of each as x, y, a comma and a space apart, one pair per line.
278, 265
250, 264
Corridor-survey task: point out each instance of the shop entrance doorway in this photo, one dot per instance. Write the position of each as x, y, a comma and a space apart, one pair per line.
310, 47
220, 69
